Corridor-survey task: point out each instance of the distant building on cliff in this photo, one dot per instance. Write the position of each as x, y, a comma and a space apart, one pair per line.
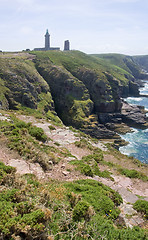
47, 44
66, 45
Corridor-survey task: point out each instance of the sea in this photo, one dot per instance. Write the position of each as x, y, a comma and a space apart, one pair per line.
138, 139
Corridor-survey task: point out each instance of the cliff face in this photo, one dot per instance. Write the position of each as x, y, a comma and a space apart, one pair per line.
142, 61
79, 88
70, 95
21, 84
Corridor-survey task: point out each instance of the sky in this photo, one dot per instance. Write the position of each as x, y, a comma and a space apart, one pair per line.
91, 26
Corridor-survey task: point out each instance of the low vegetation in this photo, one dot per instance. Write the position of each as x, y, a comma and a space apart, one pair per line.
142, 207
88, 165
132, 173
28, 141
85, 209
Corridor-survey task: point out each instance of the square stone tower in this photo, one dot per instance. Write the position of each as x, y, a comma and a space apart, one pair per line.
66, 45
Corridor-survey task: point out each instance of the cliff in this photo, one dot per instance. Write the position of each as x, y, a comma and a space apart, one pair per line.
82, 90
56, 182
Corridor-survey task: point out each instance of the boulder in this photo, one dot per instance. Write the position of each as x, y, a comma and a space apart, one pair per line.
133, 115
99, 131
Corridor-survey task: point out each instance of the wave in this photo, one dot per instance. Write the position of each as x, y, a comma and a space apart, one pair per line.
138, 99
145, 131
138, 138
144, 90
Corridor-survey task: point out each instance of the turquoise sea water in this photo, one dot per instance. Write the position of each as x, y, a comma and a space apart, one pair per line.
138, 139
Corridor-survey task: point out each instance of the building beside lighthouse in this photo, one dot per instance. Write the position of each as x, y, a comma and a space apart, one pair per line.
66, 45
47, 44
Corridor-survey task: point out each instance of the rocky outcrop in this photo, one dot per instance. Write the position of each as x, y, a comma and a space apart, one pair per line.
21, 84
103, 89
99, 131
110, 117
132, 115
71, 97
142, 61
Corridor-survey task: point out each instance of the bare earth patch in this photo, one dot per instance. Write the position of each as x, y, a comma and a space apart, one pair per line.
11, 158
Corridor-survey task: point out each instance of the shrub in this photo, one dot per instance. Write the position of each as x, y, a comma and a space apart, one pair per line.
74, 198
97, 157
9, 195
80, 210
38, 133
21, 124
6, 174
141, 206
86, 169
88, 165
133, 174
7, 169
51, 127
100, 197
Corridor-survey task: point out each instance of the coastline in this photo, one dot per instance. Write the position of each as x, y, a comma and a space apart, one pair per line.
138, 138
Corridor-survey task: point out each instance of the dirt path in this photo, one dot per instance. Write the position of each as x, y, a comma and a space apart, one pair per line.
12, 159
128, 188
63, 136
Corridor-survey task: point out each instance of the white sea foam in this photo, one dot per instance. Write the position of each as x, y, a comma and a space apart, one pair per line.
146, 130
127, 150
138, 138
137, 99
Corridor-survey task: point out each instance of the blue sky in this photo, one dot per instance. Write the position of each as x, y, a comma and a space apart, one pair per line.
92, 26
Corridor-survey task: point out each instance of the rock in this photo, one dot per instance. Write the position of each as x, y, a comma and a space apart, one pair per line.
119, 142
50, 162
120, 221
133, 89
132, 115
63, 166
110, 117
65, 173
70, 159
98, 131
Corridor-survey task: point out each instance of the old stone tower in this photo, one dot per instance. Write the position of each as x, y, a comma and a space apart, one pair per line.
47, 41
66, 45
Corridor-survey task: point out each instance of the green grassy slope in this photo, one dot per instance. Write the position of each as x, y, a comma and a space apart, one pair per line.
123, 61
73, 60
142, 61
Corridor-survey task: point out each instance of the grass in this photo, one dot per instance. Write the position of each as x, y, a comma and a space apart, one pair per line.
132, 173
31, 208
51, 127
88, 166
74, 59
142, 207
28, 141
122, 61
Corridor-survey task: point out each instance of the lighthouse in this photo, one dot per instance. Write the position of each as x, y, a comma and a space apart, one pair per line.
47, 41
47, 44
